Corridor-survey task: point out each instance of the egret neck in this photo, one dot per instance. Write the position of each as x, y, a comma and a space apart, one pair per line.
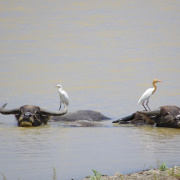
155, 87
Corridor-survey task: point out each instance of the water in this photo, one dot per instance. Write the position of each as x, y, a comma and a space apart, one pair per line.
105, 54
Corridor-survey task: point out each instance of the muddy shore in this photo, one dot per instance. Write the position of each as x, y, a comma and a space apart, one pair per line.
151, 174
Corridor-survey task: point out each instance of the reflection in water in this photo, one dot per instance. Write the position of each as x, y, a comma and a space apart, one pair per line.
75, 151
105, 54
157, 140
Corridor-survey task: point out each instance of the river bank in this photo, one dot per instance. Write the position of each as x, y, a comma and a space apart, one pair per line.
151, 174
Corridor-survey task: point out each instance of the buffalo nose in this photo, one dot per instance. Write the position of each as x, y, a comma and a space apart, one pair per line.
27, 115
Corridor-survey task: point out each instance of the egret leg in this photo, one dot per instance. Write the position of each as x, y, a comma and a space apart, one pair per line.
147, 105
60, 107
144, 106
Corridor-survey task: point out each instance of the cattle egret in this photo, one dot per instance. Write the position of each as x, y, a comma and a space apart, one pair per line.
64, 98
148, 93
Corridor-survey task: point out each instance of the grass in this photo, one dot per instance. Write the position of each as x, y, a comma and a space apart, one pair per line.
174, 172
155, 176
171, 171
54, 174
97, 176
4, 177
163, 167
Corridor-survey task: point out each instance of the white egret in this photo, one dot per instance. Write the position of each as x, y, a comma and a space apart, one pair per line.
148, 93
64, 98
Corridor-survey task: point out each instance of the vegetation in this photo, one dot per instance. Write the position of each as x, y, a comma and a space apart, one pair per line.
163, 172
4, 177
174, 172
54, 174
163, 167
97, 176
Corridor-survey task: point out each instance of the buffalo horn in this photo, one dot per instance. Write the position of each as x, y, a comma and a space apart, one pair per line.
54, 113
8, 111
151, 113
127, 118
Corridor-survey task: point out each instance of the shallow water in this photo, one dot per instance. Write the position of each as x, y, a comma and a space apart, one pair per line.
105, 54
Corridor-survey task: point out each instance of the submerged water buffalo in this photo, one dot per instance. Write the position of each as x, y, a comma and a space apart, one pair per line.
81, 118
165, 116
81, 115
29, 115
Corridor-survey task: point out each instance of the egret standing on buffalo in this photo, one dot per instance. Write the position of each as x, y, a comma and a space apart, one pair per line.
148, 93
64, 98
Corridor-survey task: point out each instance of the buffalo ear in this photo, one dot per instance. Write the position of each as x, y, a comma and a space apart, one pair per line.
44, 118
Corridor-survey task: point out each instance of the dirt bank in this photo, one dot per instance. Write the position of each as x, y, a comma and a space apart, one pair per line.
152, 174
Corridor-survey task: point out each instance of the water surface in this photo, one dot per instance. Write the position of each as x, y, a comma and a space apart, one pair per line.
105, 54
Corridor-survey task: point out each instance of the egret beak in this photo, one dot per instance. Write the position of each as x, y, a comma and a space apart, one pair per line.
56, 86
159, 81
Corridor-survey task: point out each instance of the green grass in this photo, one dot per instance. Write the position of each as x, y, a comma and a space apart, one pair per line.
156, 176
163, 167
4, 177
54, 174
173, 173
97, 176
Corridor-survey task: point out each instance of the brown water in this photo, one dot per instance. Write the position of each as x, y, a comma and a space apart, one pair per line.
105, 54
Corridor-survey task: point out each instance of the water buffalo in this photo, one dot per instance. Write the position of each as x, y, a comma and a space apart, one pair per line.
29, 115
165, 116
81, 115
81, 118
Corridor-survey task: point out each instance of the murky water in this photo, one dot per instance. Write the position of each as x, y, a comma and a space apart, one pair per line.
105, 54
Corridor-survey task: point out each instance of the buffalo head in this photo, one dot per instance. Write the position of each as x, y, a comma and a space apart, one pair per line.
165, 116
29, 115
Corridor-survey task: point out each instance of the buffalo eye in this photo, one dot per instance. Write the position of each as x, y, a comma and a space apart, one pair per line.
166, 113
37, 113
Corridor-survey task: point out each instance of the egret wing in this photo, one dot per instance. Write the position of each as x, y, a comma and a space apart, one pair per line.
146, 95
65, 97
